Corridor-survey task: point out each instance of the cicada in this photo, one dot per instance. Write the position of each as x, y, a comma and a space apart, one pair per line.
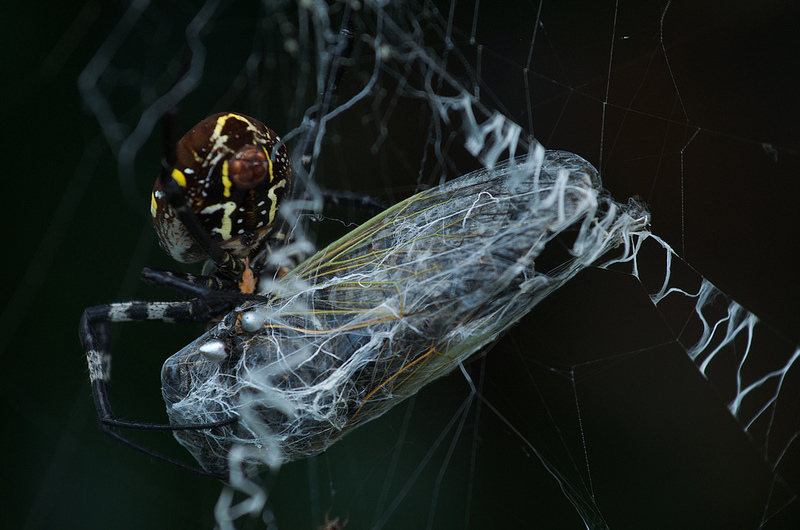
390, 307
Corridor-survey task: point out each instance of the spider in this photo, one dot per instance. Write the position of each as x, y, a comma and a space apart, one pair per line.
216, 198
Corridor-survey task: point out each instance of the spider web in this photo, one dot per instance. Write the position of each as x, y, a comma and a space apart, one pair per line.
639, 395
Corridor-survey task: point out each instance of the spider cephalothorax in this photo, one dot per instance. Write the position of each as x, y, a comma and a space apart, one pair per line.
232, 171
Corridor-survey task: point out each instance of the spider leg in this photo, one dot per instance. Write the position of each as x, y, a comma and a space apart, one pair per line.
218, 295
309, 141
94, 334
193, 284
224, 262
357, 200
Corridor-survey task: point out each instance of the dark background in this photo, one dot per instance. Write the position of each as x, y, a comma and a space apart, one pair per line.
663, 452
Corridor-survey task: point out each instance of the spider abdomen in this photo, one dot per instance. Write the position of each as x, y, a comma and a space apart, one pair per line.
232, 172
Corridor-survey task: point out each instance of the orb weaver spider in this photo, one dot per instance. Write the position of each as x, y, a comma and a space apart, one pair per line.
216, 198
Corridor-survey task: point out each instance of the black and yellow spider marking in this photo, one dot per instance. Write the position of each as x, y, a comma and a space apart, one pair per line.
232, 171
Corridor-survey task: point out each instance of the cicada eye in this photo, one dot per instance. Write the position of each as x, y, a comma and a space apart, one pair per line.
233, 179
